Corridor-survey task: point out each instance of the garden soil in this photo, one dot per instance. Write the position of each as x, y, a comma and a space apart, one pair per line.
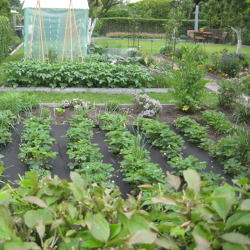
16, 168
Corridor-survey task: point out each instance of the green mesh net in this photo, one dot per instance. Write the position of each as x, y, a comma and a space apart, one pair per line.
55, 33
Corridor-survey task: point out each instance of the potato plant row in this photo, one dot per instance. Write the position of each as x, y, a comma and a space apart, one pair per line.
87, 159
36, 143
136, 163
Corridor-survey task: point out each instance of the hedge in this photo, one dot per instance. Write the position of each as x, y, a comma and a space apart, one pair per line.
118, 24
6, 36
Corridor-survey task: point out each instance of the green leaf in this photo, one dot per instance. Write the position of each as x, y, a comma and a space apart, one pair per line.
142, 237
35, 200
115, 230
76, 178
40, 229
175, 181
245, 205
238, 219
163, 200
231, 246
32, 217
236, 238
6, 232
98, 226
166, 244
193, 180
223, 205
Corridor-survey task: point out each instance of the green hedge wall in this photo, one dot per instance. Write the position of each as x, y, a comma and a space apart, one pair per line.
6, 36
123, 24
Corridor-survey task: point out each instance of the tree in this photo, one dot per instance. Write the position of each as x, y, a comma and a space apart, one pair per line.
15, 3
98, 8
231, 13
5, 8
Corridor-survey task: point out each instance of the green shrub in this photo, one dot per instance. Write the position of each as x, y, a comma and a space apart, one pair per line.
6, 37
140, 35
230, 64
118, 24
187, 81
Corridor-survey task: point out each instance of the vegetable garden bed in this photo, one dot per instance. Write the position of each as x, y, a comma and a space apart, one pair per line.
16, 168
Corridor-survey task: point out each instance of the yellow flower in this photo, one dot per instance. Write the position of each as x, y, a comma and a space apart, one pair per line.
176, 69
199, 65
210, 69
185, 108
183, 59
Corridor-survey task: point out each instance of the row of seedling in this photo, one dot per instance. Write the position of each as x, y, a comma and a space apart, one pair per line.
232, 151
86, 158
135, 162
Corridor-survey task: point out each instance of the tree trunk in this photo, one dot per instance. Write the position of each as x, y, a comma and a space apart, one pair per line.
91, 26
239, 39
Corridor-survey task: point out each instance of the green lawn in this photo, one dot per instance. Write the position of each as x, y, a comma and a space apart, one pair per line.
152, 47
209, 99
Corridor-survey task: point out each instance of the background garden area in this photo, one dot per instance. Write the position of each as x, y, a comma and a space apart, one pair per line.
167, 169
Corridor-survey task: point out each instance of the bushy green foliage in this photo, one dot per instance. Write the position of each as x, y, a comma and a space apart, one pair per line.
6, 34
187, 81
55, 213
140, 35
32, 73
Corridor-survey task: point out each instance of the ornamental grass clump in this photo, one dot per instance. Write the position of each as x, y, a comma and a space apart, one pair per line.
147, 106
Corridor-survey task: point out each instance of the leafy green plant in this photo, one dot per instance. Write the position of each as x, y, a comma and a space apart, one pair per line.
86, 156
180, 164
55, 213
160, 135
60, 111
187, 82
217, 120
31, 73
7, 121
35, 149
194, 132
112, 121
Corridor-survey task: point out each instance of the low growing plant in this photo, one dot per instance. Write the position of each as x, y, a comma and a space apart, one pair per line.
217, 120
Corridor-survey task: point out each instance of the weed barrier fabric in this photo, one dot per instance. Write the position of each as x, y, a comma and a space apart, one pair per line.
14, 167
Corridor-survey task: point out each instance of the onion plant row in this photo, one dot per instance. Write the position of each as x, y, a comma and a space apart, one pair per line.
87, 159
35, 148
136, 163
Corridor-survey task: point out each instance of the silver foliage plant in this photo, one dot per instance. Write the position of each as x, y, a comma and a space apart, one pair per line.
148, 106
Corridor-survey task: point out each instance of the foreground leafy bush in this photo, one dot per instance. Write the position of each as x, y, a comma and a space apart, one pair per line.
53, 213
33, 73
